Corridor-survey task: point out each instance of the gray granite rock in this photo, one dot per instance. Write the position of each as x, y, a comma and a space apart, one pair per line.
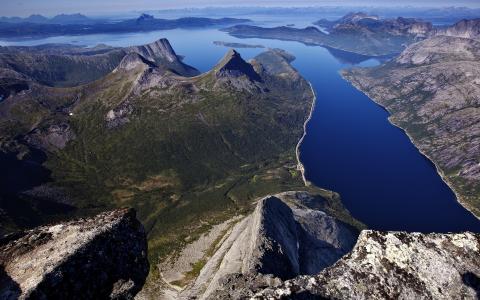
94, 258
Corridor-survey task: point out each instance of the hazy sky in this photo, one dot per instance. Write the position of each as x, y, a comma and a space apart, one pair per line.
52, 7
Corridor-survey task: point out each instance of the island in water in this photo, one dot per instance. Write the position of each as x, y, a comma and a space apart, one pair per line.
236, 45
357, 32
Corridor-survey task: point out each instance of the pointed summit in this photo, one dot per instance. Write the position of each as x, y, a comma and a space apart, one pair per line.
160, 49
162, 53
232, 65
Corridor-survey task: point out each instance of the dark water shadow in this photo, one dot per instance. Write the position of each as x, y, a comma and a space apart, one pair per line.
9, 289
350, 58
346, 57
472, 280
22, 174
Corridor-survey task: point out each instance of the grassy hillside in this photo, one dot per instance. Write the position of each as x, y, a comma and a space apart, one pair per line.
186, 152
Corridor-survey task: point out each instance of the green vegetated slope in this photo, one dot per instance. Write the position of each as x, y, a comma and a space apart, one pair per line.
64, 65
432, 90
186, 152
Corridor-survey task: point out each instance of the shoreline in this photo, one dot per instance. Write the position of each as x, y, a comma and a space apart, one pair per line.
460, 200
300, 166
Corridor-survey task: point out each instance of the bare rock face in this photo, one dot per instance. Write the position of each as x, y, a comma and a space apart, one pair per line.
95, 258
232, 65
396, 265
287, 235
156, 50
465, 28
440, 49
134, 60
162, 53
234, 72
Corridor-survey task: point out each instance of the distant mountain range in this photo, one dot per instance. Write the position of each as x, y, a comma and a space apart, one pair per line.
58, 19
360, 33
371, 24
38, 26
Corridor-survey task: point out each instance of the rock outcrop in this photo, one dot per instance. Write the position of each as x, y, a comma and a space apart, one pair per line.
94, 258
395, 265
287, 235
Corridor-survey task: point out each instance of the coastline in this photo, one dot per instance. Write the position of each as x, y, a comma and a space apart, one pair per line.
439, 171
319, 44
300, 166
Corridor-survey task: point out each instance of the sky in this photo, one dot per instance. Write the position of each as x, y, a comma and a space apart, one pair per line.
98, 7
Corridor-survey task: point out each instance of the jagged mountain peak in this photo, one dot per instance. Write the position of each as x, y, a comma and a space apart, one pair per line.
233, 65
159, 49
162, 53
232, 54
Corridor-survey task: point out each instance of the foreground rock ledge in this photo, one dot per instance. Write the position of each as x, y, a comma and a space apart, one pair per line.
395, 265
95, 258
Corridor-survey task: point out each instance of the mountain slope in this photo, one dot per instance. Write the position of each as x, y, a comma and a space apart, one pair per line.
465, 29
287, 235
186, 152
68, 66
432, 90
358, 33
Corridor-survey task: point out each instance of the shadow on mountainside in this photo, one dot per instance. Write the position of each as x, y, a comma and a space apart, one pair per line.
472, 280
9, 289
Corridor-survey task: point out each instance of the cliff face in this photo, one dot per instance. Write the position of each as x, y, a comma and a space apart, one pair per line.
287, 235
95, 258
465, 28
289, 248
162, 53
396, 265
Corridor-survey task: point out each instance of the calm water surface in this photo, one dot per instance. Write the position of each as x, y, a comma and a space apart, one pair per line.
350, 146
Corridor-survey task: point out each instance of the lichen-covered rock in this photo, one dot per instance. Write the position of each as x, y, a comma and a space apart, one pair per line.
94, 258
396, 265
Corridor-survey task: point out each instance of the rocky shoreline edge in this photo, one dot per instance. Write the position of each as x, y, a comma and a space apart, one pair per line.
439, 171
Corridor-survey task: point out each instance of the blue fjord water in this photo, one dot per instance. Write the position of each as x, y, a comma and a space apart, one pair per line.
350, 146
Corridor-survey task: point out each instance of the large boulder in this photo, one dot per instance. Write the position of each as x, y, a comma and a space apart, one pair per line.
395, 265
93, 258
